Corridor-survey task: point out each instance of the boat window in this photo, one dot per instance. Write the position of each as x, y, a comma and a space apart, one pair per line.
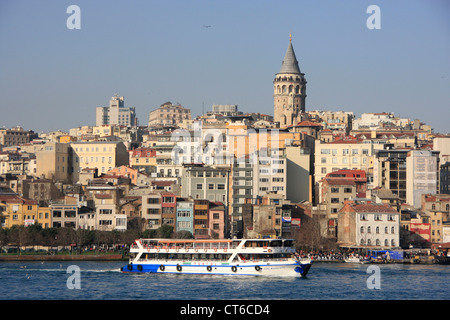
275, 243
288, 243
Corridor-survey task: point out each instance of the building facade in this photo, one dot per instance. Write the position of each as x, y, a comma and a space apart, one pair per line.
116, 113
168, 114
289, 90
368, 225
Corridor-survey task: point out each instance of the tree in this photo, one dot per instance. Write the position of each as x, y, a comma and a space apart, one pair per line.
183, 234
165, 231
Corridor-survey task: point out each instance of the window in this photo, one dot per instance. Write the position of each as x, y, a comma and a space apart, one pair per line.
334, 200
334, 190
199, 186
220, 186
211, 186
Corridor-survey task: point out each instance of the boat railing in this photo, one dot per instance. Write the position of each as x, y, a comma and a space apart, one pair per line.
215, 260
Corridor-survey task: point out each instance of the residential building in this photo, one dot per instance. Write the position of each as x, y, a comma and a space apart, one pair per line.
336, 122
169, 209
185, 215
299, 174
15, 136
143, 159
444, 180
103, 155
398, 169
346, 153
422, 175
54, 161
105, 198
363, 224
64, 213
437, 207
201, 219
151, 210
373, 121
168, 114
269, 172
116, 113
206, 182
218, 220
20, 211
271, 215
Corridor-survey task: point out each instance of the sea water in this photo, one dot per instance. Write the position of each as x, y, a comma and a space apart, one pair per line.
325, 281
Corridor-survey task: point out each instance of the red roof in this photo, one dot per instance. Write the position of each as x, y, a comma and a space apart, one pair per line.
308, 124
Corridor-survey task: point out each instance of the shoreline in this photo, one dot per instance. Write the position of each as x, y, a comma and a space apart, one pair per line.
68, 257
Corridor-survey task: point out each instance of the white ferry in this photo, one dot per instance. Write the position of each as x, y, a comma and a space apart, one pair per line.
258, 257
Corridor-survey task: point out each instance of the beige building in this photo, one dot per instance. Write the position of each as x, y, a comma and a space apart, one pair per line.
168, 114
289, 90
116, 113
298, 174
103, 155
14, 137
343, 154
54, 161
437, 206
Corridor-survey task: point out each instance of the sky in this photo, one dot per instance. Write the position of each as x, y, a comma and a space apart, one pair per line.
199, 53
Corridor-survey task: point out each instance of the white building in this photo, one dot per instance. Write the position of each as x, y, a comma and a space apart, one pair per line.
422, 174
370, 225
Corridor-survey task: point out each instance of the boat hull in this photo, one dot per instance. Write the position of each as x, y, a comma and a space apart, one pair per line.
288, 269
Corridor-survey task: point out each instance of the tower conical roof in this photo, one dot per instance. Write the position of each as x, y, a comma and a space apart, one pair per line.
290, 63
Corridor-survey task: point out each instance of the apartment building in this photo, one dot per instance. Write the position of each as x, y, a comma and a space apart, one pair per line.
143, 160
422, 175
151, 210
269, 172
201, 219
407, 173
185, 215
116, 113
205, 182
103, 155
64, 213
15, 136
347, 153
20, 211
299, 174
168, 114
218, 220
437, 206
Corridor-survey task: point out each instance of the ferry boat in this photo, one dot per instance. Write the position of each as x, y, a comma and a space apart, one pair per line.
256, 257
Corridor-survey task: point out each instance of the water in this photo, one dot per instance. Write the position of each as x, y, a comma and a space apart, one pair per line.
326, 281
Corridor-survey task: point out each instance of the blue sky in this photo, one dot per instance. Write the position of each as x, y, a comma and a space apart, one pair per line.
151, 52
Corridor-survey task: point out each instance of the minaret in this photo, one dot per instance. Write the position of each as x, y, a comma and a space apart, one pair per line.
289, 90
